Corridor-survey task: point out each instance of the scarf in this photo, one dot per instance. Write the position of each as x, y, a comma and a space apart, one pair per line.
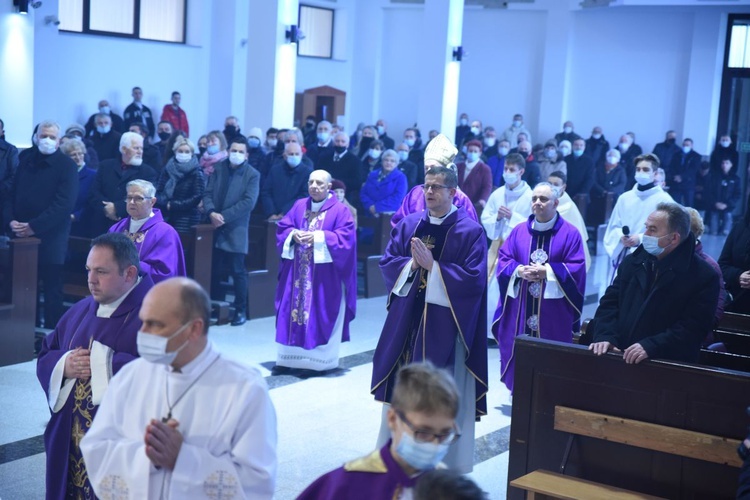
177, 171
208, 161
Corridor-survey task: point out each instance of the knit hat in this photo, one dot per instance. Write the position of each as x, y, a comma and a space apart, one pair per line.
255, 132
441, 150
474, 142
76, 128
337, 184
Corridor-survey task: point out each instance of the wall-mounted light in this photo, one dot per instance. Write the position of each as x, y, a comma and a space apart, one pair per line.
23, 5
294, 34
458, 53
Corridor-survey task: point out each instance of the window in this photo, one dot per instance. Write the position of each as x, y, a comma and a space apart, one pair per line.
317, 25
739, 45
162, 20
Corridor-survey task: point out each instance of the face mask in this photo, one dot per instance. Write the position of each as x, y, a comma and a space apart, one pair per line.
272, 143
524, 154
310, 125
725, 144
323, 136
686, 149
293, 161
410, 142
490, 141
212, 149
153, 348
421, 456
517, 123
164, 135
47, 146
374, 153
403, 155
135, 161
643, 178
564, 151
472, 157
577, 153
104, 109
230, 131
557, 190
671, 141
202, 149
253, 142
463, 121
510, 178
182, 157
381, 130
612, 160
103, 129
551, 154
651, 244
596, 136
624, 146
568, 130
503, 151
475, 130
339, 149
236, 158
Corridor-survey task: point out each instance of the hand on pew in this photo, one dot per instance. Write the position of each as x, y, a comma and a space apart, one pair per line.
635, 354
217, 220
600, 348
109, 210
745, 280
21, 229
78, 364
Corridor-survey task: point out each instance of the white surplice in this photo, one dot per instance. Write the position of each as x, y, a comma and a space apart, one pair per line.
226, 418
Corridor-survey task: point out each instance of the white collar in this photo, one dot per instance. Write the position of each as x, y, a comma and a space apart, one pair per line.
136, 225
315, 206
522, 186
544, 226
107, 310
439, 220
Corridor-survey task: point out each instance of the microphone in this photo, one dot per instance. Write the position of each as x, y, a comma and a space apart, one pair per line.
625, 231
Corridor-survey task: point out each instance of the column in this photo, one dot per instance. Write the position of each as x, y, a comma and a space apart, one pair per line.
17, 70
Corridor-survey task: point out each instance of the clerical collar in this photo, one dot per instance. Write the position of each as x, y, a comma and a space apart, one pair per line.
136, 225
315, 206
439, 220
107, 310
544, 226
646, 187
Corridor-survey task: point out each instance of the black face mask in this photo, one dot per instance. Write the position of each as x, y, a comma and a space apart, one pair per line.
201, 150
671, 141
524, 154
339, 149
231, 131
310, 125
164, 135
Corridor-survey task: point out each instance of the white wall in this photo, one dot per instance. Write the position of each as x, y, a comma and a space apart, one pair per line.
16, 74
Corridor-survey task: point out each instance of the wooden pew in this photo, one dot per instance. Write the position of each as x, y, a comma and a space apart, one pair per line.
198, 246
18, 289
261, 283
369, 252
674, 397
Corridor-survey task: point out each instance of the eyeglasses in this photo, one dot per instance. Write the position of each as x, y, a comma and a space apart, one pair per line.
433, 187
423, 436
543, 199
137, 199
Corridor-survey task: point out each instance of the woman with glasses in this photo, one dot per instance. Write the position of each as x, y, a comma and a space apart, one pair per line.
385, 187
75, 149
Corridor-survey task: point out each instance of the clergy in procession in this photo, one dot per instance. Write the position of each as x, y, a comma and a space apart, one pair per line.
316, 297
631, 210
159, 246
435, 269
541, 272
434, 156
183, 421
91, 343
568, 210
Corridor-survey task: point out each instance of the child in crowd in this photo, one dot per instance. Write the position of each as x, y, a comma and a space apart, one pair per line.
423, 427
723, 195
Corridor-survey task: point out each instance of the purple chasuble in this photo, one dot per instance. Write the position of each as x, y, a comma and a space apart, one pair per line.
414, 202
376, 476
415, 330
159, 247
529, 312
78, 328
308, 296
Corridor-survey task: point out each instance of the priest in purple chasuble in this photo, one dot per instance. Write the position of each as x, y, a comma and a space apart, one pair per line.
158, 243
541, 271
91, 343
414, 202
316, 298
434, 267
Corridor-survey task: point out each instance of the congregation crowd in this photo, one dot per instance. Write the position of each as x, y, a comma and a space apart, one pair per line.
489, 237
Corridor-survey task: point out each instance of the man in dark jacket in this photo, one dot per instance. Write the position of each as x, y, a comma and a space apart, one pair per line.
229, 199
597, 146
663, 299
151, 154
8, 165
107, 200
580, 170
343, 165
682, 173
41, 200
286, 183
382, 128
667, 150
106, 140
139, 113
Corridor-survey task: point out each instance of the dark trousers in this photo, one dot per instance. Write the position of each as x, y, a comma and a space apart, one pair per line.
233, 264
52, 281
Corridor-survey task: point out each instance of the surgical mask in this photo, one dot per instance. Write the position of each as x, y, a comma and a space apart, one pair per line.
410, 142
472, 157
551, 154
153, 348
490, 141
577, 153
564, 151
557, 190
421, 456
686, 149
212, 149
136, 161
164, 135
517, 123
381, 130
475, 130
651, 244
624, 146
613, 160
293, 161
236, 158
644, 178
323, 136
272, 143
339, 149
103, 129
374, 153
47, 146
464, 121
596, 136
510, 178
503, 151
253, 142
403, 155
567, 130
104, 109
183, 157
725, 144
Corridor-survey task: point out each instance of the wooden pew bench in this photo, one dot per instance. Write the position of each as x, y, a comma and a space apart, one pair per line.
369, 251
262, 277
18, 290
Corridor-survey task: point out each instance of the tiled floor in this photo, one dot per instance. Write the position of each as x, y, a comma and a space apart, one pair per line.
322, 422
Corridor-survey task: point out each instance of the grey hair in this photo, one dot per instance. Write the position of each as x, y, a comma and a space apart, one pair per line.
389, 153
48, 124
324, 122
127, 139
678, 219
71, 145
148, 189
550, 186
183, 141
103, 115
298, 133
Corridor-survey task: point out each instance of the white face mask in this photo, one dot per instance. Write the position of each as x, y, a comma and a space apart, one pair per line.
475, 130
503, 151
624, 146
403, 155
490, 141
687, 149
183, 157
236, 158
613, 160
726, 144
153, 348
567, 130
381, 130
564, 151
374, 153
510, 178
47, 146
644, 178
596, 136
651, 244
272, 143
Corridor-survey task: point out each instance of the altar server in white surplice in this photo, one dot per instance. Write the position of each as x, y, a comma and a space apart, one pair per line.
182, 421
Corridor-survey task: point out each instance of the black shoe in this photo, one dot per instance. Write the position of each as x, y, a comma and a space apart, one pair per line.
280, 370
239, 319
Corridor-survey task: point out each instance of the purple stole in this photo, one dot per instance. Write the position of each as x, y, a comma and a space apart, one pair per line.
303, 277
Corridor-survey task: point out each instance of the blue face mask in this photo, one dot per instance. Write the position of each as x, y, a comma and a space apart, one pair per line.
410, 142
103, 129
421, 456
253, 142
212, 149
577, 153
651, 244
472, 157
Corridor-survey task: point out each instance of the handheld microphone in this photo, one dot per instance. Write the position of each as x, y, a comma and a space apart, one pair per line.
625, 231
